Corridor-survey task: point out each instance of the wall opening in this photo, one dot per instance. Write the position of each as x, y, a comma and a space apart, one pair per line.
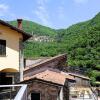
5, 80
35, 96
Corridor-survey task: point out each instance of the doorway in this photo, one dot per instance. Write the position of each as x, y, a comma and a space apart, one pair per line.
35, 96
5, 80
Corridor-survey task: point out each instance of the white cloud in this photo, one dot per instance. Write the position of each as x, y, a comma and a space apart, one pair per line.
3, 9
80, 1
42, 12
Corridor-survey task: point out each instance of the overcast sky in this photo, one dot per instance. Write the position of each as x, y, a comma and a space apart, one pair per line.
52, 13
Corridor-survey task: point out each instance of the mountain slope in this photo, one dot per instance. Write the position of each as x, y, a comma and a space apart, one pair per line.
34, 28
83, 40
80, 41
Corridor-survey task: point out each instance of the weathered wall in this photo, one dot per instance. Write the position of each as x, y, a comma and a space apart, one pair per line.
82, 82
47, 91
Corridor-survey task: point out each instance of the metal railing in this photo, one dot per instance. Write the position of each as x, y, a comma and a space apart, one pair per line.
22, 94
13, 92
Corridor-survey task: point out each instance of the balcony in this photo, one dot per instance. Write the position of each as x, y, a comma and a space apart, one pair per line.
13, 92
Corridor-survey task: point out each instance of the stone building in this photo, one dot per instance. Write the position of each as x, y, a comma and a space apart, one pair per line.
48, 85
46, 81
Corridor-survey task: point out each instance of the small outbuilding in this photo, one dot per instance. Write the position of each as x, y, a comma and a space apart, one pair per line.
48, 85
45, 79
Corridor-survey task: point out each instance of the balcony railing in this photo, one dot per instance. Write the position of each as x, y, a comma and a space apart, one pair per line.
13, 92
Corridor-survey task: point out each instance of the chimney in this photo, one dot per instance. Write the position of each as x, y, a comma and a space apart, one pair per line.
19, 23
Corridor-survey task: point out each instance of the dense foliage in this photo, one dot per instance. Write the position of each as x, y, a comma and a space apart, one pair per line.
34, 28
80, 41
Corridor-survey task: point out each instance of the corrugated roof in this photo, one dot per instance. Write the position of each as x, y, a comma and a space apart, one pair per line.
51, 76
78, 75
25, 35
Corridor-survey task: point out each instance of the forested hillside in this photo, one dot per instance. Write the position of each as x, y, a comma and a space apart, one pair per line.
34, 28
81, 42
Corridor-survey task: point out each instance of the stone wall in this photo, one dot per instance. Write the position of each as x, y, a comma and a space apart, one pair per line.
46, 90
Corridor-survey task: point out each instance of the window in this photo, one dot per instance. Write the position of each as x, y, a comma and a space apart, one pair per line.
3, 47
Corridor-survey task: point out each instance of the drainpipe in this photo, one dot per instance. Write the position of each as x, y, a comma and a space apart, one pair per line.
21, 56
21, 65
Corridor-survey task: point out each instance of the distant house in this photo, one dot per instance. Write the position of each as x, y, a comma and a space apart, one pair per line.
41, 38
81, 88
11, 52
81, 80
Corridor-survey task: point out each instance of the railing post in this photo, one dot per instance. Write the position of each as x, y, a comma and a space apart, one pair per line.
10, 93
22, 94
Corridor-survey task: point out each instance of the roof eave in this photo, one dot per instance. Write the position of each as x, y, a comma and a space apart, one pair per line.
25, 35
32, 79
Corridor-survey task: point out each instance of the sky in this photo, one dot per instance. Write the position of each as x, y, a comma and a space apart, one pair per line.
52, 13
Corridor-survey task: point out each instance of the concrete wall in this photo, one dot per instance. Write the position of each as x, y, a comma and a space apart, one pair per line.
11, 60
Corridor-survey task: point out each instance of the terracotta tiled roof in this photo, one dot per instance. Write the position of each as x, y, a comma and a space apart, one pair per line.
51, 76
